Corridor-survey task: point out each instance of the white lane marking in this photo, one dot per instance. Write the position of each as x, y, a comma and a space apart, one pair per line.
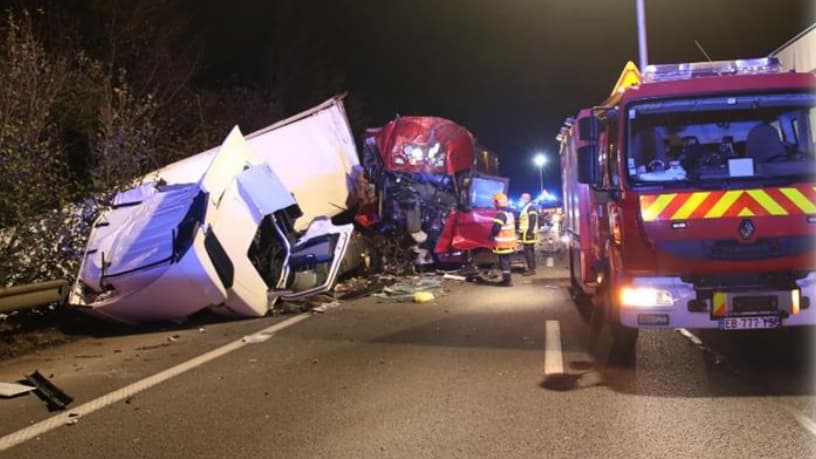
691, 336
804, 421
70, 415
553, 359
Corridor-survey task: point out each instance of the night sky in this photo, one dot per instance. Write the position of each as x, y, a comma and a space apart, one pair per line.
508, 70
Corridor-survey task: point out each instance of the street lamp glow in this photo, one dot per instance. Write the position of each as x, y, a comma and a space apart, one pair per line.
540, 160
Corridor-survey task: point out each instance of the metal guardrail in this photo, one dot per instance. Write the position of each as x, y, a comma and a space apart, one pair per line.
29, 296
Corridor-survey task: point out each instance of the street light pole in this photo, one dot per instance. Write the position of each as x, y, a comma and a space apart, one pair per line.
641, 26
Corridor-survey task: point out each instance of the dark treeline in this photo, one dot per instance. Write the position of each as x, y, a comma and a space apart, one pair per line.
97, 92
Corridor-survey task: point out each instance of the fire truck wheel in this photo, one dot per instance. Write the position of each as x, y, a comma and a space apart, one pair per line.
583, 302
609, 340
624, 346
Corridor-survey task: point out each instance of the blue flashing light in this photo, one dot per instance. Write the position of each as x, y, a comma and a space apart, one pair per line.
545, 196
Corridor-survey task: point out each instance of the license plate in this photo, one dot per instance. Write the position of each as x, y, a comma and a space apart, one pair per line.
755, 304
749, 323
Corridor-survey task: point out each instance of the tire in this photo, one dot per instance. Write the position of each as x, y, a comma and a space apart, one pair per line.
583, 302
621, 351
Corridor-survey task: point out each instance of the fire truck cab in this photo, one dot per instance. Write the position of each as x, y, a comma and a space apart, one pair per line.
690, 199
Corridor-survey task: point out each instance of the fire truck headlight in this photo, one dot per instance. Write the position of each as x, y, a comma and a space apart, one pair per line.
645, 297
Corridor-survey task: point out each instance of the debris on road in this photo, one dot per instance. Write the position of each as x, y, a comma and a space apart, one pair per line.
406, 289
423, 297
256, 338
73, 418
152, 346
455, 277
8, 390
326, 306
50, 393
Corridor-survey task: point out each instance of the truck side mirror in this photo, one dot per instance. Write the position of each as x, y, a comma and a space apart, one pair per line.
589, 170
589, 128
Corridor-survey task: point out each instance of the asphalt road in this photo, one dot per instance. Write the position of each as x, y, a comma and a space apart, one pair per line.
462, 376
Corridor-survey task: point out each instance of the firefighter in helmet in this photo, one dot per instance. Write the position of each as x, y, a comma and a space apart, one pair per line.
503, 234
528, 232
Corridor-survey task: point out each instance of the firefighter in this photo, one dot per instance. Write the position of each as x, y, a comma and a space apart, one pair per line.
558, 217
503, 234
528, 232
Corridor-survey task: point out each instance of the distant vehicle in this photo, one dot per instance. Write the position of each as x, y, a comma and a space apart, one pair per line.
224, 229
434, 182
690, 199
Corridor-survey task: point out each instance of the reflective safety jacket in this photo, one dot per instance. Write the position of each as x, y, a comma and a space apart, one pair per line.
504, 229
528, 224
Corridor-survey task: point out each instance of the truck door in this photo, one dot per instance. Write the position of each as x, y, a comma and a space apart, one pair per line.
467, 228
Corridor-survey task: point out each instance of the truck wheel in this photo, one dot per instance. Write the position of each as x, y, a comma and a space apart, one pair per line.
624, 346
624, 340
583, 302
609, 340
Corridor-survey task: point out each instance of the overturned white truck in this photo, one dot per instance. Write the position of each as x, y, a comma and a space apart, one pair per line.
231, 229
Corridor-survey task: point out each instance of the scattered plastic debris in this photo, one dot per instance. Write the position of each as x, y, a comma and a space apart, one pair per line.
406, 289
455, 277
73, 418
423, 297
51, 394
357, 287
326, 306
9, 390
151, 347
256, 338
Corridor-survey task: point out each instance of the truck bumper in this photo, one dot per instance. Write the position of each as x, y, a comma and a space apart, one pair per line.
678, 314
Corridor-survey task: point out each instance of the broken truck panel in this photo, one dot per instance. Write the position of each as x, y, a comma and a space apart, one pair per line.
314, 261
468, 229
424, 145
319, 139
425, 171
164, 252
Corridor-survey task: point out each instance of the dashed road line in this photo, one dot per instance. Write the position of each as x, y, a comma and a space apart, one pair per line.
691, 336
70, 416
804, 421
553, 358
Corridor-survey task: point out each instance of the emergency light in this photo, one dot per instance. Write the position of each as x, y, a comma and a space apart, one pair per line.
685, 71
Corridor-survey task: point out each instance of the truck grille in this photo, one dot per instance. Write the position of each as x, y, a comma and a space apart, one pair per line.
734, 250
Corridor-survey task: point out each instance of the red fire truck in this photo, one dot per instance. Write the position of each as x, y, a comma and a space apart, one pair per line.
434, 182
690, 201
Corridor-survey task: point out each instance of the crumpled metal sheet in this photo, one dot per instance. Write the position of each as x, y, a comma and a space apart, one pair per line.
319, 138
406, 289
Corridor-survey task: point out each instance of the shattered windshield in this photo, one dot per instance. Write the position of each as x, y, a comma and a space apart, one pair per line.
706, 140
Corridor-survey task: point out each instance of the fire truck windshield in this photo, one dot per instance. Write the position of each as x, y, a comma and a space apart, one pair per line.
713, 139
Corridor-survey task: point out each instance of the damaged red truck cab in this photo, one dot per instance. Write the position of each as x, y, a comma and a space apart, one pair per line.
432, 181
